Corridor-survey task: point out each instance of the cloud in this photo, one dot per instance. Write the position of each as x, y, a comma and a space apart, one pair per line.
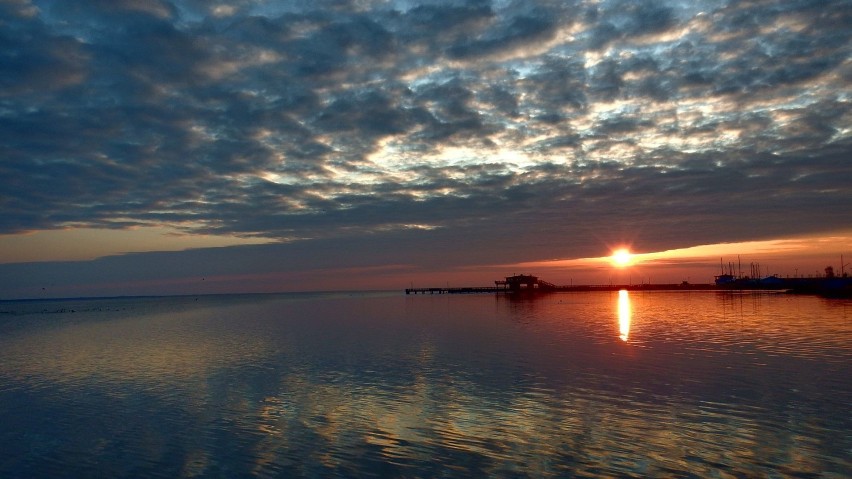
531, 120
513, 33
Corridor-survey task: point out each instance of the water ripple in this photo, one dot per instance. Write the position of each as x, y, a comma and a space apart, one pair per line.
702, 385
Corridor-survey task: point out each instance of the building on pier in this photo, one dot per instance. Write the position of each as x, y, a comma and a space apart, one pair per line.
524, 282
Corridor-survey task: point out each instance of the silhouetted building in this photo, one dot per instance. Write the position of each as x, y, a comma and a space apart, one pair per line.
524, 282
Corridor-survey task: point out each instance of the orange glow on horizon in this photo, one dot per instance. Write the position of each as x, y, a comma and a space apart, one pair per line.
789, 256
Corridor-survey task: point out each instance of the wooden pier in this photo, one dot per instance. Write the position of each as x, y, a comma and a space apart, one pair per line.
828, 286
466, 290
527, 284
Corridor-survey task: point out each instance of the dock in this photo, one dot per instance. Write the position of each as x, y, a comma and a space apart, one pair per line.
464, 290
828, 286
532, 284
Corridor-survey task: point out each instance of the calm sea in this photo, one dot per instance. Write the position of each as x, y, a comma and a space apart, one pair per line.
690, 384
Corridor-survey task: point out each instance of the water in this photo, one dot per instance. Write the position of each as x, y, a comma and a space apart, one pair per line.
698, 384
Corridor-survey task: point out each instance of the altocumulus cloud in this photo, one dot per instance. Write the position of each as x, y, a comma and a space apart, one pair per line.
673, 123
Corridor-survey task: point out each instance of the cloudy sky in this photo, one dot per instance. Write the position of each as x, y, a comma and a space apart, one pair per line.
152, 146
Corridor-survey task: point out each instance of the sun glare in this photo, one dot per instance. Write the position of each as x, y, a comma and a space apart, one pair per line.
621, 257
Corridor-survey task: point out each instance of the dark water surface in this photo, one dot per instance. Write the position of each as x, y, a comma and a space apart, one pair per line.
698, 384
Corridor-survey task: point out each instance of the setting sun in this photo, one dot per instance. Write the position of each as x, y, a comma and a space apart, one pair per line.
621, 257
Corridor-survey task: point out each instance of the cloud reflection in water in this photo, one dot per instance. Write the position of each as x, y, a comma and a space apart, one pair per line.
400, 387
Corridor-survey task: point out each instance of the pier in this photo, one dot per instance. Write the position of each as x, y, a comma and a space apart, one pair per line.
828, 286
465, 290
526, 284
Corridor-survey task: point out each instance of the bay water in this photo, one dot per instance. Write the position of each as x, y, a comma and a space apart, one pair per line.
380, 384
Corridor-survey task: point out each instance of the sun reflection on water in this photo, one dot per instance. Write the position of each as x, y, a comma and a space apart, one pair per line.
472, 385
624, 314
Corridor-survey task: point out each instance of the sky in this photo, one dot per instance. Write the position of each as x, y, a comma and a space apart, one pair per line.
189, 147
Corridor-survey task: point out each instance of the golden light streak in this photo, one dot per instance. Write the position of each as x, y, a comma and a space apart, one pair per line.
624, 314
75, 244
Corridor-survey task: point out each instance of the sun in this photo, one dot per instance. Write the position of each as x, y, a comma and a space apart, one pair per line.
621, 257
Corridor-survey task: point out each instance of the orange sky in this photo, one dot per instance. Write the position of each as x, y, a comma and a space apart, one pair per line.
102, 271
807, 255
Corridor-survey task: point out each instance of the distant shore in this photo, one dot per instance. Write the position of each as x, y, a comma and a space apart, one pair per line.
839, 287
563, 289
